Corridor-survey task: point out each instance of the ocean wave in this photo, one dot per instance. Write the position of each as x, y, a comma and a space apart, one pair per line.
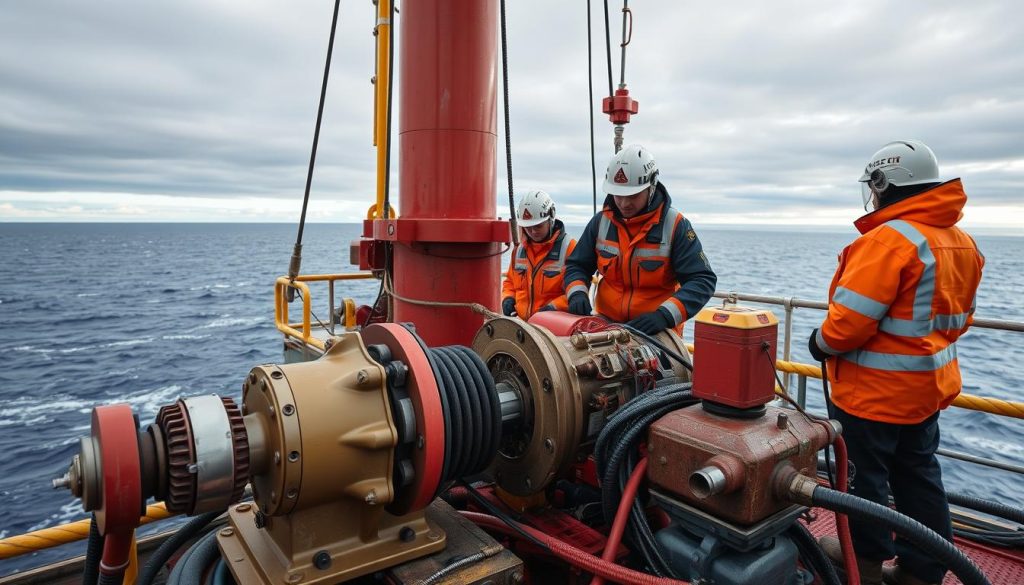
988, 445
82, 295
227, 321
184, 336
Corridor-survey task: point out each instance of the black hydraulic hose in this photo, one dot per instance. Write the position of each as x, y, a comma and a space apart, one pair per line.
93, 554
653, 341
913, 531
986, 506
296, 262
812, 554
196, 560
166, 549
116, 578
608, 47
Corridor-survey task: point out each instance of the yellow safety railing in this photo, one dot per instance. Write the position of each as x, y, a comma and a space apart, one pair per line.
304, 330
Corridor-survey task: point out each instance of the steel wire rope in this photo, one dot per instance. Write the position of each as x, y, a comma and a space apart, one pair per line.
590, 107
296, 261
608, 47
513, 223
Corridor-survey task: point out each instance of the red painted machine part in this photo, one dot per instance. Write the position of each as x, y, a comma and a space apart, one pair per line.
121, 473
421, 385
620, 106
565, 324
448, 174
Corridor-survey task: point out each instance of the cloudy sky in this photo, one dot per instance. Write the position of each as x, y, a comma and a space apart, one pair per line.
757, 112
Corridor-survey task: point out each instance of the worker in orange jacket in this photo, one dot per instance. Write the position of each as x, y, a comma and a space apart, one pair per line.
903, 294
534, 279
654, 272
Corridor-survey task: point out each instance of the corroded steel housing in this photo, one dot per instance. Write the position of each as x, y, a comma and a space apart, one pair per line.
725, 466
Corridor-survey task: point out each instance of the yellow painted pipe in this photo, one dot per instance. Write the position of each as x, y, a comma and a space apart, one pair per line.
380, 109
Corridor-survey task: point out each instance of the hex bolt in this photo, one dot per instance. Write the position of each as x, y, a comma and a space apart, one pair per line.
322, 560
371, 497
227, 531
406, 534
783, 421
276, 374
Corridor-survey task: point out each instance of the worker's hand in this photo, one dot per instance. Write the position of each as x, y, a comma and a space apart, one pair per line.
508, 307
579, 304
656, 321
816, 352
547, 307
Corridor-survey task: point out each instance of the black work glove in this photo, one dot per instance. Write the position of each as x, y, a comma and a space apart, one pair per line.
547, 307
816, 352
508, 306
656, 321
579, 304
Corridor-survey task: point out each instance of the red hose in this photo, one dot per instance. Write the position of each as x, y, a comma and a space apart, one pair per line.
622, 516
575, 556
842, 520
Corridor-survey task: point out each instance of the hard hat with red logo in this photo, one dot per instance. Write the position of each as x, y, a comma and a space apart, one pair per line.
535, 207
630, 171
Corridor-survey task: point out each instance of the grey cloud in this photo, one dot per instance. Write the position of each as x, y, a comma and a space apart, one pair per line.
752, 106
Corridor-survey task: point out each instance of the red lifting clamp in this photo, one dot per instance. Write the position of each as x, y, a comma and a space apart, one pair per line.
620, 106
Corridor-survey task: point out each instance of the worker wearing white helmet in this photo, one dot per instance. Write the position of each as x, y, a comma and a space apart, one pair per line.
903, 294
655, 273
534, 279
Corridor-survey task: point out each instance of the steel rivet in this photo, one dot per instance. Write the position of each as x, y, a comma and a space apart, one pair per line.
489, 330
276, 374
277, 458
292, 493
288, 409
293, 456
406, 534
549, 445
361, 376
420, 441
227, 532
529, 483
520, 336
243, 508
547, 385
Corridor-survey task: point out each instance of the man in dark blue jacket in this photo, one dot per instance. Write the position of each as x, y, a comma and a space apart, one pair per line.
654, 272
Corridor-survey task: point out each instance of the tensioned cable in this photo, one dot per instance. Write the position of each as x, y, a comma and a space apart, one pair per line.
608, 47
513, 224
590, 108
296, 262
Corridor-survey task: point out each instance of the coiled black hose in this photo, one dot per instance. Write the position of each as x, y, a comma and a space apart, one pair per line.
116, 578
616, 453
918, 534
93, 554
199, 557
813, 557
472, 411
163, 554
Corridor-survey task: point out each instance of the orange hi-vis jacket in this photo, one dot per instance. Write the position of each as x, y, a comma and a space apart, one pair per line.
647, 262
534, 277
903, 294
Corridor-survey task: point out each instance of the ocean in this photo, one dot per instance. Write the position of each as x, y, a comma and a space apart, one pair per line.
144, 313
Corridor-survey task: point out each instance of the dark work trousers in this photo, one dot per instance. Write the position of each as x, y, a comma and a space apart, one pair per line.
900, 458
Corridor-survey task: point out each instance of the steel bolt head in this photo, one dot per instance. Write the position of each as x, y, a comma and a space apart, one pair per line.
322, 560
406, 534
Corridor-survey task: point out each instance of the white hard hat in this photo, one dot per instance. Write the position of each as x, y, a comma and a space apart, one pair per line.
535, 207
630, 171
900, 163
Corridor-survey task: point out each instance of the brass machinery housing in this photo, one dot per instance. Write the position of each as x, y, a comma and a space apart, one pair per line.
568, 387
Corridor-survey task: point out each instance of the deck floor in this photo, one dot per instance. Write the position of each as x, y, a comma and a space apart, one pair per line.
1001, 566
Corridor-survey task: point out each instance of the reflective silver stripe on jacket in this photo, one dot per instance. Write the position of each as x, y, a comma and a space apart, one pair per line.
923, 323
823, 345
521, 262
575, 289
862, 304
903, 363
664, 250
563, 251
677, 315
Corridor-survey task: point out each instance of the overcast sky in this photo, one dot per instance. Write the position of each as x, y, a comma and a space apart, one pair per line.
757, 112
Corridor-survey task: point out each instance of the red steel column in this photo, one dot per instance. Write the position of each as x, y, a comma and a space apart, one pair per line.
447, 242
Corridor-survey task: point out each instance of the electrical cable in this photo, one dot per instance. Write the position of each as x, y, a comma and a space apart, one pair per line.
296, 261
812, 555
608, 47
501, 515
166, 550
622, 516
93, 554
653, 341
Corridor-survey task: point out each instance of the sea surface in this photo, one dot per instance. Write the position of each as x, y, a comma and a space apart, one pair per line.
144, 313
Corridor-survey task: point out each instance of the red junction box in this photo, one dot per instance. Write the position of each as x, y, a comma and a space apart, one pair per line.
732, 364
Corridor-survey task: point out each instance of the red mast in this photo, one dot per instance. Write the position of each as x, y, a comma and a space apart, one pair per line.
447, 242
